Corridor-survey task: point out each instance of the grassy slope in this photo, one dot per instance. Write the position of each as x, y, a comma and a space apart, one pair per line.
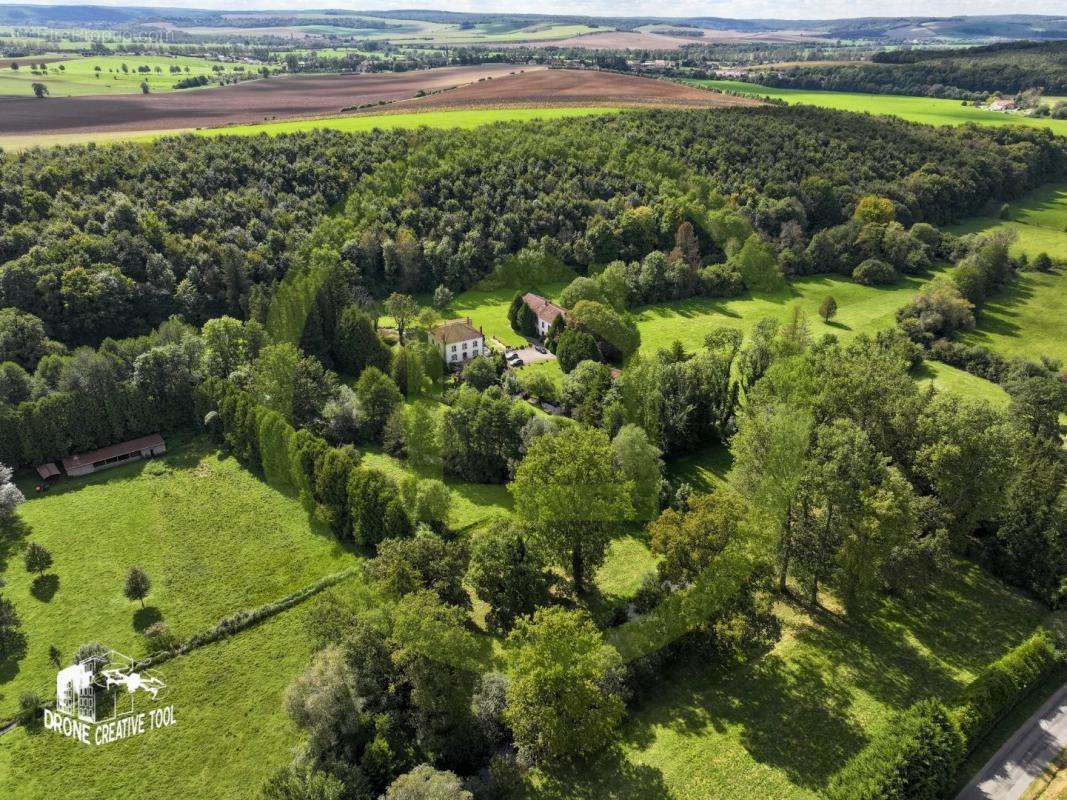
231, 730
488, 309
80, 78
787, 722
213, 538
928, 110
1030, 317
860, 309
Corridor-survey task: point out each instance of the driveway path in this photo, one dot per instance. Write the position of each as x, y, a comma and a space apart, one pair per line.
1024, 756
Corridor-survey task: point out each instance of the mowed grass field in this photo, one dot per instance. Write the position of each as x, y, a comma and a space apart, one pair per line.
779, 727
1029, 318
860, 309
213, 538
231, 730
79, 76
928, 110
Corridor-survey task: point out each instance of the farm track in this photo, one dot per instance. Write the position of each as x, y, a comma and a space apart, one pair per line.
286, 97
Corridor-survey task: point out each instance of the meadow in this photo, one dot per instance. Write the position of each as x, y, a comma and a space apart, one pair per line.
81, 76
213, 538
1029, 318
927, 110
787, 721
231, 730
860, 309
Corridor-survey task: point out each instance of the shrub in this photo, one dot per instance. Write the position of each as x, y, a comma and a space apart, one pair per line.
159, 638
873, 272
30, 706
1002, 684
913, 758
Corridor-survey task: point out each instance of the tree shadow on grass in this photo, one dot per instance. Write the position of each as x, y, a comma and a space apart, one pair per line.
963, 591
15, 647
144, 617
12, 532
793, 714
44, 587
610, 775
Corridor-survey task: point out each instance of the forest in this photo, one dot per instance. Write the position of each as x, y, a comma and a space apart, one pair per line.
969, 74
106, 242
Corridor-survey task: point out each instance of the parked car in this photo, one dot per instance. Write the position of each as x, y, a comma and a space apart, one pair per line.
540, 350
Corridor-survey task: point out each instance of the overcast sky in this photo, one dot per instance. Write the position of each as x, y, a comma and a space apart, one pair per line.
734, 9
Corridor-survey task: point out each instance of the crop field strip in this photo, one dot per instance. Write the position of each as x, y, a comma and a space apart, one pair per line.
927, 110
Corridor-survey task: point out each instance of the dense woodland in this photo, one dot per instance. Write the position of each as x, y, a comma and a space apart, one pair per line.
970, 74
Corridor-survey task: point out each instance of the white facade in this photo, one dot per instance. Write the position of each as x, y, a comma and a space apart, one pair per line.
458, 352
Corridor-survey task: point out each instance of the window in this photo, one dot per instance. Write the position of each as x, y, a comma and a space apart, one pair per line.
453, 348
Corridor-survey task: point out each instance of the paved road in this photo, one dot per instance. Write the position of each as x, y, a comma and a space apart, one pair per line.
1024, 756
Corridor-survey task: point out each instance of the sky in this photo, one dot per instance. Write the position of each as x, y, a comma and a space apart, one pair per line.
734, 9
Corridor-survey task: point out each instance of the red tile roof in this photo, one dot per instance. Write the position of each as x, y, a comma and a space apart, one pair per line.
543, 309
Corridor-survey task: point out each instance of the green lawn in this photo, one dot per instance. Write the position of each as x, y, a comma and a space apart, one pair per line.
949, 379
231, 729
1029, 318
213, 538
860, 309
787, 722
704, 470
78, 76
488, 309
430, 119
928, 110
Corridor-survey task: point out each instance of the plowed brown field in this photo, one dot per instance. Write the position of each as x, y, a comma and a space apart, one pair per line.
566, 86
285, 97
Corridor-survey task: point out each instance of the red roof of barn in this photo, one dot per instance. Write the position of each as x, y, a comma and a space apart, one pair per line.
112, 451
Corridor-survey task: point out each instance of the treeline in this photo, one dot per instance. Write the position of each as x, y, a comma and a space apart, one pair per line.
971, 74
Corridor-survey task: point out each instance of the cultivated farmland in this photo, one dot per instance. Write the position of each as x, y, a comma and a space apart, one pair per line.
283, 97
563, 87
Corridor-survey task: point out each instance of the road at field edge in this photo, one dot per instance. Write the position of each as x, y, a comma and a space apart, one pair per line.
1008, 774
